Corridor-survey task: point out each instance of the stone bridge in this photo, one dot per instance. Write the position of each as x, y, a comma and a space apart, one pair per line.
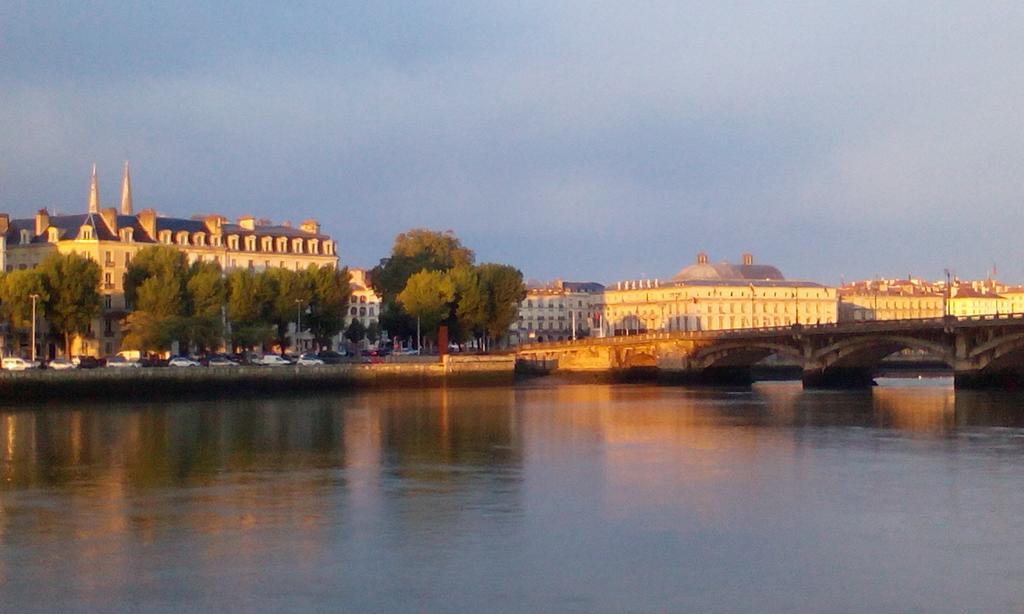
983, 351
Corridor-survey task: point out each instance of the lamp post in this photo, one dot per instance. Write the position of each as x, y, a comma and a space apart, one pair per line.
298, 321
947, 296
34, 298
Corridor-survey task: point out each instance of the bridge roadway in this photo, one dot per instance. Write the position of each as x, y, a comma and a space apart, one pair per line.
982, 351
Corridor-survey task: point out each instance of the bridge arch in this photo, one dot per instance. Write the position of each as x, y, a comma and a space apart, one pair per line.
743, 353
867, 352
1002, 352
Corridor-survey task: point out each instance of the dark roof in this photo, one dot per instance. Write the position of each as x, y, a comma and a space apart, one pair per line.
582, 286
68, 226
725, 271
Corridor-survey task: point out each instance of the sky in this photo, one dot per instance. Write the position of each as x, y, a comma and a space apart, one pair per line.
584, 141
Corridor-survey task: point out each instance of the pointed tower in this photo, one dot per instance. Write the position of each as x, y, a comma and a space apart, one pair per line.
126, 192
94, 193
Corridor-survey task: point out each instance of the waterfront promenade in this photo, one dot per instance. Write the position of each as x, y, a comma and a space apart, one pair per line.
172, 382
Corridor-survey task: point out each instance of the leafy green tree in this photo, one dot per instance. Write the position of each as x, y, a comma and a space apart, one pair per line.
250, 305
373, 332
206, 291
413, 251
166, 295
155, 288
355, 332
16, 290
427, 296
503, 288
330, 295
72, 298
292, 292
467, 317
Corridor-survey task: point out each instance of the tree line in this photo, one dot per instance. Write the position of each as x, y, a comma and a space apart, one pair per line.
430, 279
167, 300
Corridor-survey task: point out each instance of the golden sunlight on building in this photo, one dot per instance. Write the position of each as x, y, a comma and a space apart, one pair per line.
112, 236
705, 296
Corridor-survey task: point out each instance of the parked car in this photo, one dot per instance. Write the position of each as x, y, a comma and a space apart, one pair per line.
272, 360
120, 362
60, 364
182, 361
309, 360
220, 361
88, 362
16, 363
330, 357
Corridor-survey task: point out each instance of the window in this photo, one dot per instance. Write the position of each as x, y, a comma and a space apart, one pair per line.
353, 311
108, 258
108, 302
127, 259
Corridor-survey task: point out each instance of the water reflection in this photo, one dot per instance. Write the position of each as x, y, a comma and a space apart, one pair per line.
549, 497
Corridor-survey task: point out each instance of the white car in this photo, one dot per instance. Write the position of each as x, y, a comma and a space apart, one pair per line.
15, 363
309, 360
120, 362
272, 360
182, 361
60, 364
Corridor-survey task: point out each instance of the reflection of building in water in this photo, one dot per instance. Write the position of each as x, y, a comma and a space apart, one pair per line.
920, 411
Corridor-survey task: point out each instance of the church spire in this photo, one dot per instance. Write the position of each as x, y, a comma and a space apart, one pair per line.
94, 192
126, 192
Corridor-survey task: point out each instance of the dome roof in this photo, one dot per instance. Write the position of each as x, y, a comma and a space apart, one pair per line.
748, 271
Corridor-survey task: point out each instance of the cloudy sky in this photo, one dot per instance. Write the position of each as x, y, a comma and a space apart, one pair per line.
578, 140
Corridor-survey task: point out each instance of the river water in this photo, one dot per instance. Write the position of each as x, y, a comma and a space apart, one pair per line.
543, 497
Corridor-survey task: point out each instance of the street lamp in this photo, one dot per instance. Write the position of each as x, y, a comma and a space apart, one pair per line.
34, 298
948, 295
298, 321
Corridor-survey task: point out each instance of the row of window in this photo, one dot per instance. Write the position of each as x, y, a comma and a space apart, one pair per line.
281, 245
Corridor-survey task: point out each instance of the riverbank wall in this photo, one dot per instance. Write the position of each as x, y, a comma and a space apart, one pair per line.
169, 382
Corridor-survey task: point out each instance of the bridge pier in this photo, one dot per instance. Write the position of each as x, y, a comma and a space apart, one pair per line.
841, 378
984, 379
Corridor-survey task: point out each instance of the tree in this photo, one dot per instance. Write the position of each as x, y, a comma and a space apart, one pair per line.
206, 295
16, 290
468, 308
71, 286
155, 287
166, 295
250, 303
355, 331
503, 287
373, 332
414, 251
427, 296
330, 295
292, 292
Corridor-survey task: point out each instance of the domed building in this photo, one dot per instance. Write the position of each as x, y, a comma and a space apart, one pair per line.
723, 296
703, 271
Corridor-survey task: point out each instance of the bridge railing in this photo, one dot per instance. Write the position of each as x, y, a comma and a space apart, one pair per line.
761, 331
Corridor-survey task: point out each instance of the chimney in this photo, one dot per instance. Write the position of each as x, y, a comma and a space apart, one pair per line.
109, 215
310, 226
5, 223
213, 224
702, 258
247, 222
126, 192
748, 259
42, 221
147, 220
